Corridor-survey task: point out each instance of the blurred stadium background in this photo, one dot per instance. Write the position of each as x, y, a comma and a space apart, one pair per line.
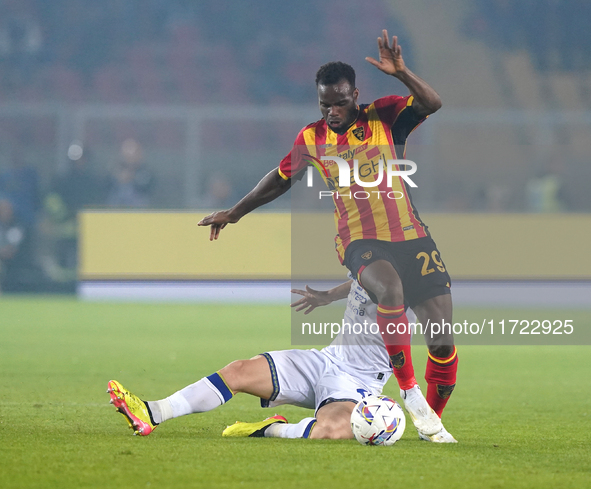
180, 105
122, 122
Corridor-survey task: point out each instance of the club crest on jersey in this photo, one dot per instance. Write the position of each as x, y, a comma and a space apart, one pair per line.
359, 133
366, 255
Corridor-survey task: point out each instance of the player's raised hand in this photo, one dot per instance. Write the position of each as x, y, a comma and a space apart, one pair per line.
390, 55
311, 299
218, 221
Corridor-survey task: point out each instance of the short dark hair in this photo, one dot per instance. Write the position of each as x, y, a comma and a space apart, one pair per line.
334, 72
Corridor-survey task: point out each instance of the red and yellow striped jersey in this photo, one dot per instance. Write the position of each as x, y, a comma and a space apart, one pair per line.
381, 211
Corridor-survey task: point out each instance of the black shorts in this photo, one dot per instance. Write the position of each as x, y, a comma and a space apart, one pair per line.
418, 263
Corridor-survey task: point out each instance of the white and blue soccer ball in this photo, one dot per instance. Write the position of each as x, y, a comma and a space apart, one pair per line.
377, 420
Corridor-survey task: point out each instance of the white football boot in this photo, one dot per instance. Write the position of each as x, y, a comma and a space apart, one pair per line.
423, 417
442, 436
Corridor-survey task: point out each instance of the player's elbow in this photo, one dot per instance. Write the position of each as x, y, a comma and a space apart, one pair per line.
433, 105
437, 104
428, 106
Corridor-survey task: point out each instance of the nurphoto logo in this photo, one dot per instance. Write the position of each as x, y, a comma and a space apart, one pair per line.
392, 170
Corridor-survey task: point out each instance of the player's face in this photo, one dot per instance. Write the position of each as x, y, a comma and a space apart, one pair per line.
338, 104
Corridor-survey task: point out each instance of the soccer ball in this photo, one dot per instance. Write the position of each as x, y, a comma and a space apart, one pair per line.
377, 420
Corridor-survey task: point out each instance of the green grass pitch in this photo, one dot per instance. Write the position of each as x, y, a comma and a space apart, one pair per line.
522, 415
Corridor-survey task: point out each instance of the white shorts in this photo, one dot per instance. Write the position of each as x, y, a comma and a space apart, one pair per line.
310, 379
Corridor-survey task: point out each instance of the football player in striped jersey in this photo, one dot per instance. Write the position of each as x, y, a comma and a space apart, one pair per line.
381, 238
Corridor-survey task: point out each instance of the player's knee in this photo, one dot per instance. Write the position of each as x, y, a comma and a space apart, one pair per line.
389, 291
235, 374
389, 295
441, 351
335, 430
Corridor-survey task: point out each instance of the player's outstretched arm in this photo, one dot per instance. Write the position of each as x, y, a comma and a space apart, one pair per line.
268, 189
426, 100
311, 298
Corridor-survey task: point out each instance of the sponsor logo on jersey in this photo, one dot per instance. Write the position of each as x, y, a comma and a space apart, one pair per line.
350, 153
389, 169
360, 296
408, 228
366, 255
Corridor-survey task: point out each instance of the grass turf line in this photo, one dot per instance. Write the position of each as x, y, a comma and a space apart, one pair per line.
522, 414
